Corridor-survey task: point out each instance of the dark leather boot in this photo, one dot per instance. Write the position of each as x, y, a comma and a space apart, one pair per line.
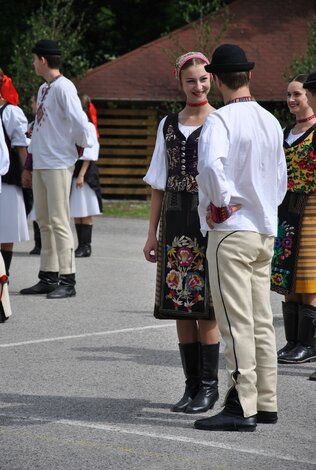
3, 318
7, 258
290, 318
84, 248
230, 419
190, 358
37, 239
48, 282
208, 390
78, 230
66, 287
305, 350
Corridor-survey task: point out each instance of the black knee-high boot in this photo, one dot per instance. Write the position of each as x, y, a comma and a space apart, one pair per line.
290, 319
84, 248
208, 389
78, 230
190, 358
37, 239
305, 350
7, 258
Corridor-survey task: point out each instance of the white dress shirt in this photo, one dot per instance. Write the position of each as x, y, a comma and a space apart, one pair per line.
60, 125
241, 161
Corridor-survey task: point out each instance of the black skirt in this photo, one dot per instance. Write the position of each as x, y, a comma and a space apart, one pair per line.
182, 287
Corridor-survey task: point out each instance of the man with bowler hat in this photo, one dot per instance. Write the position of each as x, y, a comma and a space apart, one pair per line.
310, 87
60, 125
242, 180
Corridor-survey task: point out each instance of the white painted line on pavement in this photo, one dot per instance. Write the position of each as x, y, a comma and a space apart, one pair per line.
85, 335
182, 439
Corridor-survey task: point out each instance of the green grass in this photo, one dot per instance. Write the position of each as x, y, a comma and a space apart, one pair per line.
132, 209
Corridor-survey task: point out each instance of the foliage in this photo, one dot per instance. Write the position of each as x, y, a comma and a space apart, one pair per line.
307, 62
54, 19
199, 14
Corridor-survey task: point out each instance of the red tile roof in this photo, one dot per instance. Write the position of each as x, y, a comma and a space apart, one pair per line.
272, 32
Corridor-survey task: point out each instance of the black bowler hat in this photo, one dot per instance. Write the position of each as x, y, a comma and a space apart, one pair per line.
310, 83
229, 58
46, 47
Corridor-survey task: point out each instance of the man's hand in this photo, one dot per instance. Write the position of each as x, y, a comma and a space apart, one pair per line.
210, 222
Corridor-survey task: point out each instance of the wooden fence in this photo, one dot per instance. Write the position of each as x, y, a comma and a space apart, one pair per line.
127, 139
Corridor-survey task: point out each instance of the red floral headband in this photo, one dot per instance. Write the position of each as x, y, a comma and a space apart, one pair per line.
184, 58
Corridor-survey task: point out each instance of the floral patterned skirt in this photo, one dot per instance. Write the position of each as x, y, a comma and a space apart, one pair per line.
182, 287
294, 260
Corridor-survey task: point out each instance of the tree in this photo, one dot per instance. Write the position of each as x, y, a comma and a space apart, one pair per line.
307, 62
54, 19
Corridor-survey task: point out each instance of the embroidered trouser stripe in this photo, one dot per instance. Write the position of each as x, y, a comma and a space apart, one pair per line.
239, 266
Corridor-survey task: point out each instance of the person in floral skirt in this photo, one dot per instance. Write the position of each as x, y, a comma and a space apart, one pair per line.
293, 265
182, 288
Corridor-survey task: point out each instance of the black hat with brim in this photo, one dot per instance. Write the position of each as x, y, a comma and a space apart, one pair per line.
310, 83
46, 47
229, 58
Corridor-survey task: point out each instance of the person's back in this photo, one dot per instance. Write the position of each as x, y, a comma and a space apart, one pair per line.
252, 138
242, 179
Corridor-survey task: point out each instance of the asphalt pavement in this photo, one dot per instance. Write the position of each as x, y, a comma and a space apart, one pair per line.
86, 383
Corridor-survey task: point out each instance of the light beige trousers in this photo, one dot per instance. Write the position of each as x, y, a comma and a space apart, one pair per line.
51, 189
239, 268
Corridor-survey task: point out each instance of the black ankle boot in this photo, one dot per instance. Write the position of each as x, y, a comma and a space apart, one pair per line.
190, 358
84, 248
290, 318
66, 287
208, 389
48, 282
230, 419
305, 350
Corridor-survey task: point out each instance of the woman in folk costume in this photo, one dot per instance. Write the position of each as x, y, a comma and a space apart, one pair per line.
5, 309
294, 260
85, 196
182, 290
13, 222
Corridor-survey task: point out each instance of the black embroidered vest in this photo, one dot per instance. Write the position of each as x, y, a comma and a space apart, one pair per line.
182, 156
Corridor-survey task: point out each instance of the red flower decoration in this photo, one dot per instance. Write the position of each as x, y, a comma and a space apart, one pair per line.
3, 279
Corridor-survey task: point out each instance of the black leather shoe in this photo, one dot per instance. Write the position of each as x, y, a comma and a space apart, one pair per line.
62, 292
230, 419
226, 421
204, 400
267, 417
286, 349
299, 355
39, 288
83, 251
36, 251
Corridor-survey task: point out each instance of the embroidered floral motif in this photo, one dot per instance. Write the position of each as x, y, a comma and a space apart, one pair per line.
282, 249
301, 165
185, 262
283, 243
